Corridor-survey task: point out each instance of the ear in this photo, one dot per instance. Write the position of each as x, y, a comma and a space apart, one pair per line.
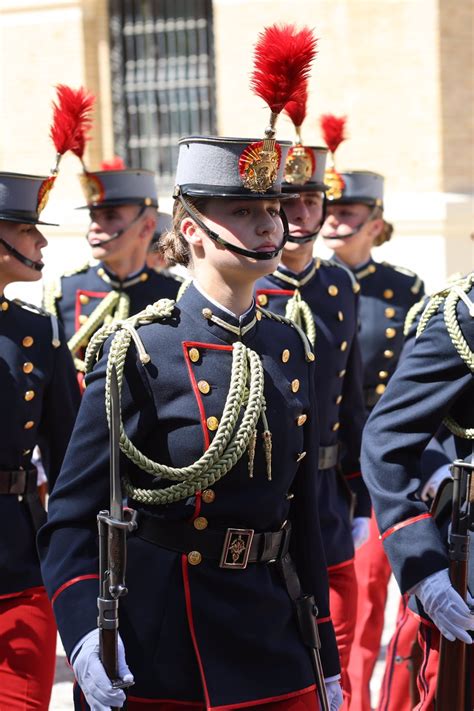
376, 227
148, 227
190, 231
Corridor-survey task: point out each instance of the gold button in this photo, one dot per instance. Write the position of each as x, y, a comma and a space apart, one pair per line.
26, 451
212, 423
82, 318
338, 399
28, 367
285, 356
383, 374
371, 268
207, 313
208, 496
5, 305
258, 315
204, 387
335, 427
380, 388
342, 373
28, 425
310, 357
343, 346
144, 277
340, 316
101, 271
194, 355
390, 332
356, 288
388, 294
388, 353
200, 523
295, 385
300, 456
262, 299
194, 558
301, 420
389, 312
29, 395
28, 341
333, 290
84, 299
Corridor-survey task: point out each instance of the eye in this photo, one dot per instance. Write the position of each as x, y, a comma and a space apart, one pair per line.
273, 211
241, 211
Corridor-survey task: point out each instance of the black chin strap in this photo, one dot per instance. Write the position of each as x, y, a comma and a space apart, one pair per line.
37, 266
119, 233
313, 235
358, 228
252, 254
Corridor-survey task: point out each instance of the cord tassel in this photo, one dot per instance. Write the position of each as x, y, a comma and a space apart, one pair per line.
251, 452
267, 445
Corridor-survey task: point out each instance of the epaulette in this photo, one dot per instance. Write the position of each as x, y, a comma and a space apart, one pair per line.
309, 355
412, 314
417, 284
77, 270
33, 308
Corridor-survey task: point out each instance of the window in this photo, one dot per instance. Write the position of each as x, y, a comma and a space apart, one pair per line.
163, 82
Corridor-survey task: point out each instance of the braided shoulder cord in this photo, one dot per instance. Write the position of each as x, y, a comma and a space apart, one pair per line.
412, 314
452, 324
298, 311
183, 288
96, 319
430, 309
52, 291
309, 355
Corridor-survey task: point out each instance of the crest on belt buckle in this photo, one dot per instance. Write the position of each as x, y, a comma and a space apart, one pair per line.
300, 165
92, 188
335, 183
43, 193
258, 165
236, 548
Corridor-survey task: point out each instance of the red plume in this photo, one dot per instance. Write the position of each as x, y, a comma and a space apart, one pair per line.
296, 109
282, 61
115, 164
71, 120
333, 128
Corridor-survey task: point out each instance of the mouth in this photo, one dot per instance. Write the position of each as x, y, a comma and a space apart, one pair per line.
95, 242
299, 233
267, 247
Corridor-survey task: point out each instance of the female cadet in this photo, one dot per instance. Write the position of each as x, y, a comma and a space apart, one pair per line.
354, 225
218, 397
40, 398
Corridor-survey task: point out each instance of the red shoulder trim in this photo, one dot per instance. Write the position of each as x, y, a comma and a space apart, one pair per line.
402, 524
73, 581
277, 292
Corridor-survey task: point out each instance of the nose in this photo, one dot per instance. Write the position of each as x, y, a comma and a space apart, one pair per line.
331, 219
266, 224
41, 239
299, 211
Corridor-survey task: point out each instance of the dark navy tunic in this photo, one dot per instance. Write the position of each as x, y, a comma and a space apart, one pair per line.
330, 292
432, 382
198, 632
387, 293
78, 294
39, 403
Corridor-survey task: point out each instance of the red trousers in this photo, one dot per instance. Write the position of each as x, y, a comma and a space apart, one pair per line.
373, 574
343, 606
395, 694
27, 651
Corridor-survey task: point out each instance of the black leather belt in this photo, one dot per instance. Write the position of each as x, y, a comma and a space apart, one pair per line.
328, 457
371, 397
233, 548
18, 482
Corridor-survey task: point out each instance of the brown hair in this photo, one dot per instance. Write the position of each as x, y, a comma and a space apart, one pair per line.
387, 229
173, 247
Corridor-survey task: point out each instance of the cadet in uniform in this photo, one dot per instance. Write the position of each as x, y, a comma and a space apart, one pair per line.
433, 384
40, 398
154, 258
221, 404
122, 206
354, 225
321, 297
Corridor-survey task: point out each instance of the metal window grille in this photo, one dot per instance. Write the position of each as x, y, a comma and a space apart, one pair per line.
163, 79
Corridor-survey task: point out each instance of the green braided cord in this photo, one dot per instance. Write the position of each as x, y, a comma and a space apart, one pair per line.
183, 288
52, 291
283, 319
228, 444
83, 334
163, 308
431, 308
457, 429
297, 310
452, 324
412, 314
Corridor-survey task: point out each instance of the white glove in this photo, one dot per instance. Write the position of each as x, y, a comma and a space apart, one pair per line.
445, 606
92, 678
432, 485
334, 694
360, 530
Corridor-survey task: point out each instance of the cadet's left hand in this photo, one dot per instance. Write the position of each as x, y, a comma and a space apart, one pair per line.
360, 531
432, 485
334, 694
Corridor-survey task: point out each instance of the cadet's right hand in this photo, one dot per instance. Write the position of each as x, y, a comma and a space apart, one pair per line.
92, 678
445, 606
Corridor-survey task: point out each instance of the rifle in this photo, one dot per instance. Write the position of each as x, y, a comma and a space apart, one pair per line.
451, 685
307, 612
113, 528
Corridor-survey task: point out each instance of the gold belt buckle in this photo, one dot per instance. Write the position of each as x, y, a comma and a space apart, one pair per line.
236, 548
